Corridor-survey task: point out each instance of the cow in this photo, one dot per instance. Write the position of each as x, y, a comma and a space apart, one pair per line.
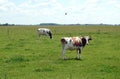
44, 31
74, 43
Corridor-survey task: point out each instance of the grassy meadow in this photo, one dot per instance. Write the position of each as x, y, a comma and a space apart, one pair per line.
24, 56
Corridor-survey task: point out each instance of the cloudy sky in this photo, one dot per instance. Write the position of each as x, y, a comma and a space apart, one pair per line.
53, 11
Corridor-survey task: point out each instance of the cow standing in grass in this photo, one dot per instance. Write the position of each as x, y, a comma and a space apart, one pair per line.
74, 43
44, 31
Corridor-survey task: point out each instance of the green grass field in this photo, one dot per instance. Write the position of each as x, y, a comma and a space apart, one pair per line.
24, 56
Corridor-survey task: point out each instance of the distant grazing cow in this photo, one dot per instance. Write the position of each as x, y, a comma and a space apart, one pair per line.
74, 43
44, 31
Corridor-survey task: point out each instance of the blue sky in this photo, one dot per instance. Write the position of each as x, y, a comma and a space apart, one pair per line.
53, 11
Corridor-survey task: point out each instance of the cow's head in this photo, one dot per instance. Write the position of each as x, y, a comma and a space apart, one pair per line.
50, 34
88, 38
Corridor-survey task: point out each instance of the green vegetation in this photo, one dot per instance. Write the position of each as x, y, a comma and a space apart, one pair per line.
24, 56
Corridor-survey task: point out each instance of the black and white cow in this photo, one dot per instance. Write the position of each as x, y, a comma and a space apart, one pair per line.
44, 31
74, 43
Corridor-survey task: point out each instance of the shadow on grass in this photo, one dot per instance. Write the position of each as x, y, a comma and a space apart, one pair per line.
68, 59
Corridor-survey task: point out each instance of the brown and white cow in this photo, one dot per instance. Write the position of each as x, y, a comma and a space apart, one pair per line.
74, 43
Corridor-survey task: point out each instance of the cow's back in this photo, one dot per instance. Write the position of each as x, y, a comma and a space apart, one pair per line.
43, 31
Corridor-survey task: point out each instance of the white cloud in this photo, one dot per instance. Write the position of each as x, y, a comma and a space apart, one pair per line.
5, 5
87, 11
38, 7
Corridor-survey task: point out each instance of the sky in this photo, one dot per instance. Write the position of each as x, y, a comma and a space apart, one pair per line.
60, 11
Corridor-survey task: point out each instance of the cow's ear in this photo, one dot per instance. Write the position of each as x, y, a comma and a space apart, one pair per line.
83, 41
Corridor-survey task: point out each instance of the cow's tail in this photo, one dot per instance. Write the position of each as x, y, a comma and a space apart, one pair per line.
63, 41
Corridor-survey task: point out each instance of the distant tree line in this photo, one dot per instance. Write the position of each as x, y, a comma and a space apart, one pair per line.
49, 24
55, 24
6, 24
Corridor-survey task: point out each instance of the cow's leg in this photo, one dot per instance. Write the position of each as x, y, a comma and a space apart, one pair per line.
63, 53
77, 56
80, 51
39, 36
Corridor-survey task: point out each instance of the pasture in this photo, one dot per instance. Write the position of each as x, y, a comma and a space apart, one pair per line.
24, 56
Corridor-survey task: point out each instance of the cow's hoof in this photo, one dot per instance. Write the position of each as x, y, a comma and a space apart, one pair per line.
77, 58
64, 59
